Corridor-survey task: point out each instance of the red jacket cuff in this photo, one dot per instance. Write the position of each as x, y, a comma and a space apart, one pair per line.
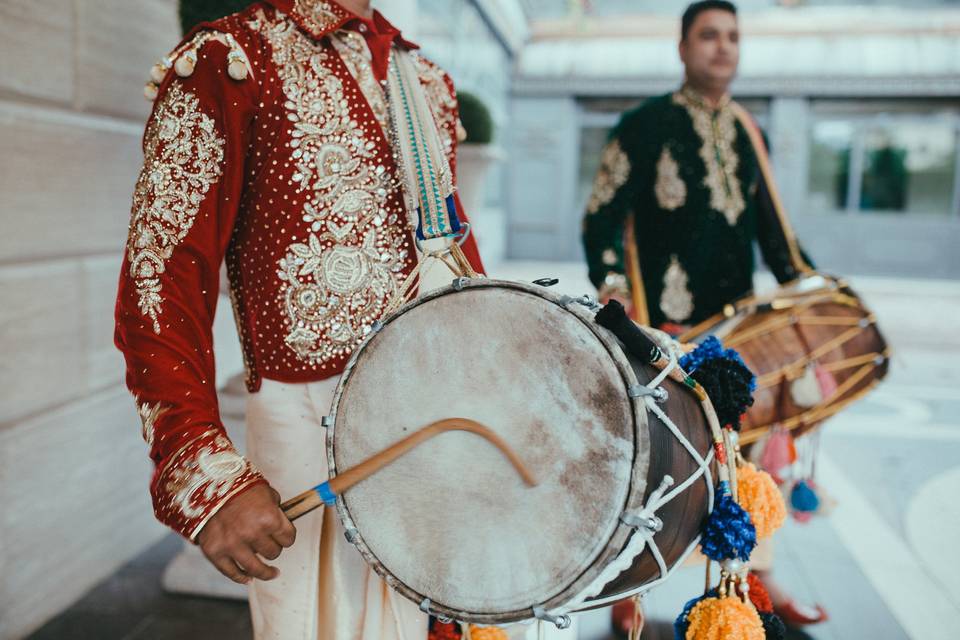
196, 481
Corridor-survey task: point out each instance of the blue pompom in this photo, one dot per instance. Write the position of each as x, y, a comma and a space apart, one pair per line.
804, 498
728, 532
706, 350
711, 349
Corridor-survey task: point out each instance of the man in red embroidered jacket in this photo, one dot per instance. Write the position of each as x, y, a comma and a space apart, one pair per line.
269, 146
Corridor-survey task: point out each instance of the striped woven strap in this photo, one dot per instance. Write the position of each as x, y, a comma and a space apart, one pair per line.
424, 165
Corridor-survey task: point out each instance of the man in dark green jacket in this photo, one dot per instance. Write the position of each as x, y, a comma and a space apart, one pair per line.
682, 170
676, 207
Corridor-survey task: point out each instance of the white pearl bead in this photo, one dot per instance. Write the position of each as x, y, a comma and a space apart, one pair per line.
150, 91
158, 72
237, 70
732, 565
186, 63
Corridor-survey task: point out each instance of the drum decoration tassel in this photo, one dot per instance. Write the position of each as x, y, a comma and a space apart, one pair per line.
727, 380
723, 618
779, 453
761, 498
473, 632
773, 626
759, 595
803, 498
728, 533
443, 631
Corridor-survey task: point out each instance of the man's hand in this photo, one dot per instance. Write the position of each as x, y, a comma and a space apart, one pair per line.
248, 525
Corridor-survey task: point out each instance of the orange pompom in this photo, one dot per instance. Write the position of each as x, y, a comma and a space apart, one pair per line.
487, 633
758, 494
724, 619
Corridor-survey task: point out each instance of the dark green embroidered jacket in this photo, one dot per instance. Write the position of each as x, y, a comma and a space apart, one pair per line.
687, 174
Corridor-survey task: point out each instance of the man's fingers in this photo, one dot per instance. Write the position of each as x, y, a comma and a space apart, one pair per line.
268, 548
254, 567
286, 533
229, 568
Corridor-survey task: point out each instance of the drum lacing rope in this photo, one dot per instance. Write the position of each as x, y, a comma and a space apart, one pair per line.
451, 257
646, 519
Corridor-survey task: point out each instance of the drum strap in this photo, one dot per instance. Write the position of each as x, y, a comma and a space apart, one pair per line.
766, 170
638, 293
427, 177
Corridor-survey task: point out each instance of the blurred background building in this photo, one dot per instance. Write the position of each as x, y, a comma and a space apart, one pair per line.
861, 102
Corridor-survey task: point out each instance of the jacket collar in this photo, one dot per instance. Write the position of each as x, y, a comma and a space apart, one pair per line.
697, 99
320, 18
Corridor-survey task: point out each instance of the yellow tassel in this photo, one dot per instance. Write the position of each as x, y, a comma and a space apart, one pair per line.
724, 619
759, 496
487, 633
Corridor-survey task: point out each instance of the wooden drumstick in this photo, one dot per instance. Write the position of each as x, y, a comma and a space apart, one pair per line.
327, 492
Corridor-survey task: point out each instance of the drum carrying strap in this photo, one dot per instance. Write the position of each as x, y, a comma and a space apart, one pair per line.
766, 171
427, 177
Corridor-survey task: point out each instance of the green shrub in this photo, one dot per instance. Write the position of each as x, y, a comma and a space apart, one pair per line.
475, 118
193, 12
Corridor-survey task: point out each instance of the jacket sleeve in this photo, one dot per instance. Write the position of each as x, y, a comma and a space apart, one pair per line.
773, 241
184, 208
772, 237
610, 202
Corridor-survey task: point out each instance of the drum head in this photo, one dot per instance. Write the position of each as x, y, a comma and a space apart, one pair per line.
452, 520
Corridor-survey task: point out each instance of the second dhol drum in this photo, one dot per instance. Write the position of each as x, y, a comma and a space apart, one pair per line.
813, 346
621, 451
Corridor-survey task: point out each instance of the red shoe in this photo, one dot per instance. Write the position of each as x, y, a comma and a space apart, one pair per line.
622, 615
793, 617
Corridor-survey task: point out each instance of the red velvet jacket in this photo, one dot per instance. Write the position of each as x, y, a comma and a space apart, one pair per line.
266, 147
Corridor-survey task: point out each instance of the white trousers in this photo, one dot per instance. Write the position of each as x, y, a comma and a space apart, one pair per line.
325, 590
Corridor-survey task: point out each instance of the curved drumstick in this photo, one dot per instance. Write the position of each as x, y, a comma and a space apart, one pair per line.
327, 492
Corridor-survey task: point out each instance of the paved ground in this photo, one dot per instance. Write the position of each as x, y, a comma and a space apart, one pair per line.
886, 564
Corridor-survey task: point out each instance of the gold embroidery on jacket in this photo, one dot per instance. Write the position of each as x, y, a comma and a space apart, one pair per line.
670, 189
613, 174
676, 301
213, 471
183, 157
318, 15
356, 55
149, 414
717, 129
337, 280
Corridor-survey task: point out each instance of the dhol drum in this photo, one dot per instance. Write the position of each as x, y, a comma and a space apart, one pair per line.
621, 451
813, 346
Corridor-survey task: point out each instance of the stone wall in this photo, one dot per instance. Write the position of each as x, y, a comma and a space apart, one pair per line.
73, 469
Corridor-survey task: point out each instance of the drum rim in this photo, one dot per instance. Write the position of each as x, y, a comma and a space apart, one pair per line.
635, 492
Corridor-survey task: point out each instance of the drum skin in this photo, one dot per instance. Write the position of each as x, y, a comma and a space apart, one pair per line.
809, 328
451, 522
